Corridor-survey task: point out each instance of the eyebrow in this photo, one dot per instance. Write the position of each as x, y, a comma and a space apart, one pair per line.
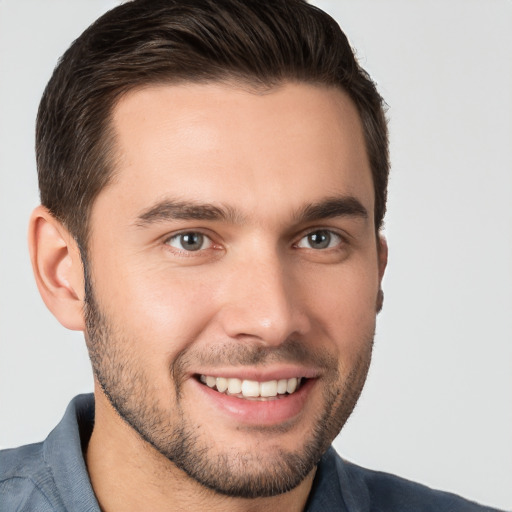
332, 207
169, 209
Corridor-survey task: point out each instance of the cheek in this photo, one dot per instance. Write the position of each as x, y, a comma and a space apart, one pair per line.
344, 303
164, 311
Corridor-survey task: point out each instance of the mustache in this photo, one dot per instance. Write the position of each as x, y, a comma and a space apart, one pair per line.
253, 353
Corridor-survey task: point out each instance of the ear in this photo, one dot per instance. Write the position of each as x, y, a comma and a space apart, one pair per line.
57, 267
382, 255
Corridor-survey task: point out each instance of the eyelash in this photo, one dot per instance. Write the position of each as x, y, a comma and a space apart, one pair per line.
323, 232
182, 250
329, 233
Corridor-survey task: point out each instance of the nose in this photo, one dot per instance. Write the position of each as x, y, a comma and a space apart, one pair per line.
262, 301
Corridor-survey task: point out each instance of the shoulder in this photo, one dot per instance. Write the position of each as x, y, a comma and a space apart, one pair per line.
387, 492
342, 485
26, 482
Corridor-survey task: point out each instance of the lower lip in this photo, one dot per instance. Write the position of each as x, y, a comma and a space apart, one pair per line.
259, 412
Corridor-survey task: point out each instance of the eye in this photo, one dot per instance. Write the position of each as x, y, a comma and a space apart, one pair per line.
190, 241
320, 239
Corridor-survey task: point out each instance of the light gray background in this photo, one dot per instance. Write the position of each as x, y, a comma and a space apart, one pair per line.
438, 403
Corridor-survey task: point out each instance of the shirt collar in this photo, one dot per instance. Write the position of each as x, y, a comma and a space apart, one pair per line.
63, 454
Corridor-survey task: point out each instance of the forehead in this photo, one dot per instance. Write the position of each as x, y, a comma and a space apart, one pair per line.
218, 143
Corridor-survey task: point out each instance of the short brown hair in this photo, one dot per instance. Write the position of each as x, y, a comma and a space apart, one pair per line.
260, 42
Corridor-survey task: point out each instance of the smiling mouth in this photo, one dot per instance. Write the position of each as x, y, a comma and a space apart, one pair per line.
252, 389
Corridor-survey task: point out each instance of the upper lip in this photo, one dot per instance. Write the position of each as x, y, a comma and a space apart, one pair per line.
261, 374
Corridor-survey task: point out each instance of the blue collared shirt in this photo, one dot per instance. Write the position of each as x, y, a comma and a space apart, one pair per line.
52, 476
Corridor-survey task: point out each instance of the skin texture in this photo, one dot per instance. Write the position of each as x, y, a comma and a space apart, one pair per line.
244, 171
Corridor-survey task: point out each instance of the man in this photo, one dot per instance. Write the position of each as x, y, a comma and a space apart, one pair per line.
213, 182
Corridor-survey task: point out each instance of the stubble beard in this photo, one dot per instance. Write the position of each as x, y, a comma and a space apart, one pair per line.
246, 474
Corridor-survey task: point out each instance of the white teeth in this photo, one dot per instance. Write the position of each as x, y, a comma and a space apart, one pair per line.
268, 388
234, 386
282, 384
291, 387
252, 388
222, 384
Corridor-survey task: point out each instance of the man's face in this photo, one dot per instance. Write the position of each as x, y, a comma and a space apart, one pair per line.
235, 270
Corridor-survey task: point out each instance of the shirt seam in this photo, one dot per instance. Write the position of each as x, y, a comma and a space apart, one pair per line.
19, 477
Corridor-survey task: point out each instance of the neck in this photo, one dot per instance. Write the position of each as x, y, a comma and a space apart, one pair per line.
128, 474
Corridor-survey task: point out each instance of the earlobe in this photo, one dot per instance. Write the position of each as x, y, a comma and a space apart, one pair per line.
57, 268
